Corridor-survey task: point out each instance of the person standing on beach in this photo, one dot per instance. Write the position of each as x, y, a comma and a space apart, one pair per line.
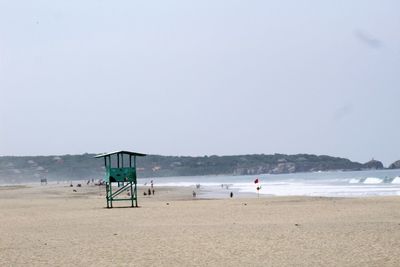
231, 194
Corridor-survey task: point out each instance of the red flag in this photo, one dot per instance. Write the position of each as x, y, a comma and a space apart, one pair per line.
256, 181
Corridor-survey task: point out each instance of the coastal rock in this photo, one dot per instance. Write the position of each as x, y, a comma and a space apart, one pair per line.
395, 165
373, 164
284, 168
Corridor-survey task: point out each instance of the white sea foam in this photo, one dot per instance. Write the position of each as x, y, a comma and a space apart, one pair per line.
396, 180
373, 180
331, 184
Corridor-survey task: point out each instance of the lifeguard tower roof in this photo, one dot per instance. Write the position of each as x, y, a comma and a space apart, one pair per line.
120, 152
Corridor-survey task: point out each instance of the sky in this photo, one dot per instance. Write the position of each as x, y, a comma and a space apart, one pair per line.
210, 77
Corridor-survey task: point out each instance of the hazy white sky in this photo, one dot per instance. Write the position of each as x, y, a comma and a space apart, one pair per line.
201, 77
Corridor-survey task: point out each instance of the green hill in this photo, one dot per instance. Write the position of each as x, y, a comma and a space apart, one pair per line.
73, 167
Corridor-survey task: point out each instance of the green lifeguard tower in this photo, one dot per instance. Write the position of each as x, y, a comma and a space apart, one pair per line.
121, 170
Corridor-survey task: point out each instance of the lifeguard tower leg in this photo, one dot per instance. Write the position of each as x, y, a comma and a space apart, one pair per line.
111, 197
132, 195
135, 189
107, 195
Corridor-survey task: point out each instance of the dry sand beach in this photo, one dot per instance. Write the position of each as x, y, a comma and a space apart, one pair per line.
54, 226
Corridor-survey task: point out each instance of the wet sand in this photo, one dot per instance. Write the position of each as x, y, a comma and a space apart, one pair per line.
54, 226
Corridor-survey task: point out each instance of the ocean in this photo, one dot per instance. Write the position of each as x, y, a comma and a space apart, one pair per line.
324, 184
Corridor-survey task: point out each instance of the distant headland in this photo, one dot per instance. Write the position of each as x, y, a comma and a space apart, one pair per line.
73, 167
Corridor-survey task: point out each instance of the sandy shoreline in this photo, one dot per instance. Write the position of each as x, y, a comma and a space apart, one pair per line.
53, 226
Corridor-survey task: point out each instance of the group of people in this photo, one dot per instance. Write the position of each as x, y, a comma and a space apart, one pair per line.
150, 190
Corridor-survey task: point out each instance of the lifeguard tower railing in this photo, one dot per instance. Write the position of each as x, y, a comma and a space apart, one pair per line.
120, 170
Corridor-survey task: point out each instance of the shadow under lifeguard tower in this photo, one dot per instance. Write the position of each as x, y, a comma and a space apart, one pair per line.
120, 169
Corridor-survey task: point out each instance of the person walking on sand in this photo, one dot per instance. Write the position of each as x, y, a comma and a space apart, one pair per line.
231, 194
194, 193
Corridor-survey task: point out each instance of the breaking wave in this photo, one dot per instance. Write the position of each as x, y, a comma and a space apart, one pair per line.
373, 180
396, 180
